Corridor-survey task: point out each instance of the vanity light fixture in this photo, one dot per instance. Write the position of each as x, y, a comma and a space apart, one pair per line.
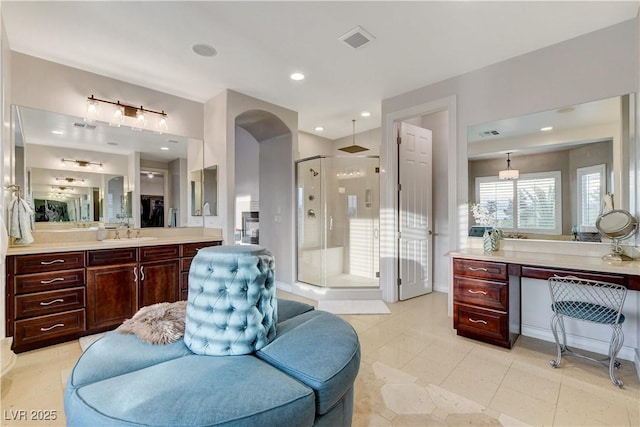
81, 163
508, 173
122, 111
70, 179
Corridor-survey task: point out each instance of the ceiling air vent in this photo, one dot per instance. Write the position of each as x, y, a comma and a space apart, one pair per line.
489, 133
84, 125
356, 37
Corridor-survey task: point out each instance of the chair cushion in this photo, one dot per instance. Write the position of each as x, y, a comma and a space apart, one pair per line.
288, 308
194, 391
587, 311
117, 354
231, 306
330, 368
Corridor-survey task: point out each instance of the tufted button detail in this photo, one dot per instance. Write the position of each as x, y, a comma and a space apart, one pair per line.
232, 299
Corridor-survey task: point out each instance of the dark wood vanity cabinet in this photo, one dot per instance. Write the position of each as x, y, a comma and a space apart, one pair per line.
485, 306
46, 298
112, 287
159, 278
187, 252
56, 297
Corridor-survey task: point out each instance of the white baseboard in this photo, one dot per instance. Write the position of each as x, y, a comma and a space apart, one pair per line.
588, 344
441, 287
284, 286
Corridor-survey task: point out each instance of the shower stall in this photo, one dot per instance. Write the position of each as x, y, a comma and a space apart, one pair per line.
338, 214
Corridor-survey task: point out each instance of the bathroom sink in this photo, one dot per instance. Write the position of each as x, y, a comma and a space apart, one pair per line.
131, 240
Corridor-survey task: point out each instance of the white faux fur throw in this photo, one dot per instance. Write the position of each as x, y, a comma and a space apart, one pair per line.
161, 323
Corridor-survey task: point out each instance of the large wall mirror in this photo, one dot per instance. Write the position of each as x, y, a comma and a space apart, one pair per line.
567, 160
77, 173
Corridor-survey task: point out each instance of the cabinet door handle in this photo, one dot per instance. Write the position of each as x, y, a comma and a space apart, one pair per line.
471, 291
142, 273
55, 261
135, 274
484, 322
478, 269
57, 325
52, 302
47, 282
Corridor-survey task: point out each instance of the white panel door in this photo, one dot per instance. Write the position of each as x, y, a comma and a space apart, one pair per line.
414, 200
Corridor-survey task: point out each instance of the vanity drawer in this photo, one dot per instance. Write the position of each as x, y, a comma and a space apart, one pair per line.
480, 269
27, 264
191, 249
41, 303
103, 257
41, 328
49, 281
545, 273
154, 253
481, 292
478, 323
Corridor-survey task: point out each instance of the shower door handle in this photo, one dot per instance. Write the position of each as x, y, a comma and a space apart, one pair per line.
330, 223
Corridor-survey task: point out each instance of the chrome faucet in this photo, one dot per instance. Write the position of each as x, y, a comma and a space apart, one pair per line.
117, 236
129, 233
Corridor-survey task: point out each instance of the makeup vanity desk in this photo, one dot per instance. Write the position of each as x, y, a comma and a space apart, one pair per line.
487, 288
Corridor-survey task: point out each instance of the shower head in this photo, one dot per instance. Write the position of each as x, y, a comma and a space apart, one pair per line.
353, 148
313, 172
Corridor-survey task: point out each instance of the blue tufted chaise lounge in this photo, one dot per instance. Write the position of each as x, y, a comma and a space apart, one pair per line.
304, 376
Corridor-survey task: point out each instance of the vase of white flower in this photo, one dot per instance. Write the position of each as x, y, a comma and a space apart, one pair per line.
492, 236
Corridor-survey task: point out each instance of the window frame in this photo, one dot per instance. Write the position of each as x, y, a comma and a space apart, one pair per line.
600, 169
555, 175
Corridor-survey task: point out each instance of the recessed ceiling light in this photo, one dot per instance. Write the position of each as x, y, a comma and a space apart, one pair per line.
57, 132
204, 49
112, 143
546, 129
297, 76
365, 114
164, 148
319, 128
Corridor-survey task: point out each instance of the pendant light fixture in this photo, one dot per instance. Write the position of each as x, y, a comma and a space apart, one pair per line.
508, 173
353, 148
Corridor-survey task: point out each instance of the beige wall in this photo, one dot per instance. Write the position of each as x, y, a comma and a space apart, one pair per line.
54, 87
597, 65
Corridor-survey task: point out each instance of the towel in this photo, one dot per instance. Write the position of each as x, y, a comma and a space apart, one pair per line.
21, 219
607, 203
4, 237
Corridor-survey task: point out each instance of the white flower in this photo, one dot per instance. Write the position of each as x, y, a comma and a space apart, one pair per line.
481, 214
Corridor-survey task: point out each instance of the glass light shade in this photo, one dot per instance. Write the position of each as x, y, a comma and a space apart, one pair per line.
118, 116
162, 125
141, 118
92, 110
509, 174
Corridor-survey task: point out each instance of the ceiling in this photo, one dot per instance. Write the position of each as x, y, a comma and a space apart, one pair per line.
260, 44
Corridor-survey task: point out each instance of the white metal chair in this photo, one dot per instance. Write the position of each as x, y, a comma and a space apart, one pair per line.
590, 301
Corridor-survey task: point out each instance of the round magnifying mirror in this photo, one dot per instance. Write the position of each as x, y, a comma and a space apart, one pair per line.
617, 225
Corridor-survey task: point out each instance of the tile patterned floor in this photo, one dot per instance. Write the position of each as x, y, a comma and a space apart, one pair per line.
415, 372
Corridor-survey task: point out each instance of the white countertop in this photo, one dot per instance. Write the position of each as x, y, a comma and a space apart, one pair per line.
542, 259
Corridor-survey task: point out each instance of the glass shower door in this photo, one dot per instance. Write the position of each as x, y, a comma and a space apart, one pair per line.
338, 221
310, 214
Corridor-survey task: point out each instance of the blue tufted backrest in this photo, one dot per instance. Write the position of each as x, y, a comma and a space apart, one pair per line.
231, 307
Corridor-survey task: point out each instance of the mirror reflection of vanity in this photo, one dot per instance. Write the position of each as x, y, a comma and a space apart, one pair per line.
567, 159
77, 173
